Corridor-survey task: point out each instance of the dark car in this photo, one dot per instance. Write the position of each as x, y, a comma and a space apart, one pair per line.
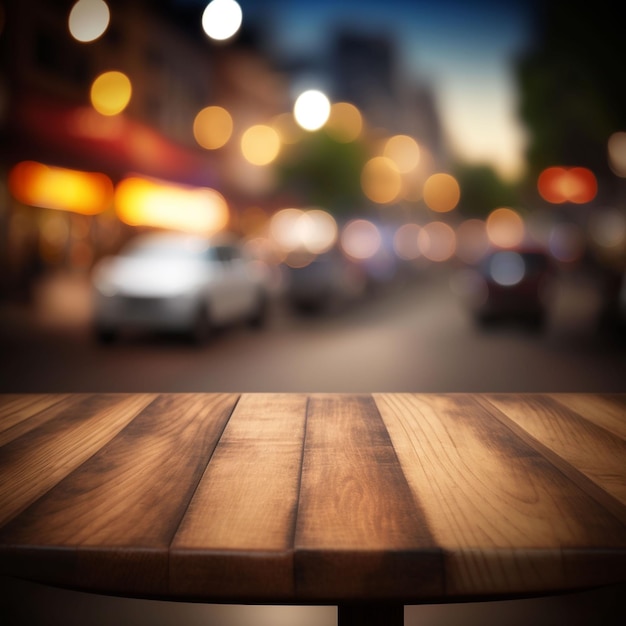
513, 284
327, 283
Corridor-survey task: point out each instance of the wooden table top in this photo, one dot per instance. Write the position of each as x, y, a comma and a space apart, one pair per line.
314, 498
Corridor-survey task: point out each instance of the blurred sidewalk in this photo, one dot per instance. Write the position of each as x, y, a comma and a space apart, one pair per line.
59, 300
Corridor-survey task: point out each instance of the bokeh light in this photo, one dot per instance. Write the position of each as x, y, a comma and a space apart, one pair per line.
345, 122
48, 187
88, 20
617, 153
437, 241
111, 93
472, 242
212, 127
287, 128
507, 268
360, 239
313, 231
441, 192
312, 109
260, 144
222, 19
145, 202
505, 228
560, 184
405, 242
55, 233
322, 231
608, 228
284, 228
566, 242
381, 181
403, 151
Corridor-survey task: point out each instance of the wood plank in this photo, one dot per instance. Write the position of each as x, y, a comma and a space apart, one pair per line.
19, 412
109, 524
360, 531
597, 453
508, 520
65, 437
236, 539
605, 410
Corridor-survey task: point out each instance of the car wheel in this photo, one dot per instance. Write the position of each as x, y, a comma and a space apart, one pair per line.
105, 335
259, 317
201, 329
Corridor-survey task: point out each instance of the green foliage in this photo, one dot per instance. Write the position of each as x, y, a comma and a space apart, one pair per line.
573, 96
482, 190
324, 172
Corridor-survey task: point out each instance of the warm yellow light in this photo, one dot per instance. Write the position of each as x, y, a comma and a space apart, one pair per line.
313, 231
360, 239
260, 144
284, 228
49, 187
321, 233
441, 192
617, 153
88, 19
403, 151
144, 202
405, 242
505, 228
345, 122
212, 127
110, 93
437, 241
381, 181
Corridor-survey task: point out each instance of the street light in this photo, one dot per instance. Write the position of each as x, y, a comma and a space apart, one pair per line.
221, 19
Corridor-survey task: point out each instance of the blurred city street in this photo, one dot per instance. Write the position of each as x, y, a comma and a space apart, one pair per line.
422, 197
413, 336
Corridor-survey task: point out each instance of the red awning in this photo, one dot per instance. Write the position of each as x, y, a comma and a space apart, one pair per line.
82, 138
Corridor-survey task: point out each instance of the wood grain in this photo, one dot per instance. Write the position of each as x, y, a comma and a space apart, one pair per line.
360, 531
333, 498
588, 446
504, 515
237, 536
68, 434
18, 412
121, 508
607, 410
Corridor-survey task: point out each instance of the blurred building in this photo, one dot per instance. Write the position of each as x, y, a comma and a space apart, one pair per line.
46, 116
365, 70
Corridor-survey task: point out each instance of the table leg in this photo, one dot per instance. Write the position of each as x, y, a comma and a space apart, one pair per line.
370, 615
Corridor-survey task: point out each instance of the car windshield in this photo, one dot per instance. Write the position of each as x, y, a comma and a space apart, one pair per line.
167, 248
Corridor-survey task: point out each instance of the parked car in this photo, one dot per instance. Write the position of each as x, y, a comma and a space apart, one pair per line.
327, 283
513, 284
176, 282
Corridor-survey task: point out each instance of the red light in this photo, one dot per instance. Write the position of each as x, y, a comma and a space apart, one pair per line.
559, 184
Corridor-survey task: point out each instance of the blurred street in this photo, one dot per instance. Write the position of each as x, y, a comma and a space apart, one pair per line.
413, 336
377, 152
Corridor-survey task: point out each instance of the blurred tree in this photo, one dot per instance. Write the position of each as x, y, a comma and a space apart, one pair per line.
573, 96
482, 190
324, 172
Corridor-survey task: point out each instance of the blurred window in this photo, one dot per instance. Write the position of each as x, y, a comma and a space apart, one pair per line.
225, 254
154, 57
59, 58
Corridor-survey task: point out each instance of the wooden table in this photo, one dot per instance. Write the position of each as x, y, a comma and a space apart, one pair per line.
368, 502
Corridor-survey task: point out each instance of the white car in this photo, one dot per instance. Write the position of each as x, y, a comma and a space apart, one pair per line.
176, 282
